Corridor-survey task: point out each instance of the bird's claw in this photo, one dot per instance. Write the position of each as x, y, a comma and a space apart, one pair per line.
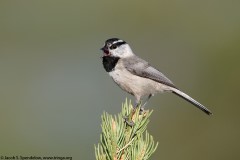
128, 121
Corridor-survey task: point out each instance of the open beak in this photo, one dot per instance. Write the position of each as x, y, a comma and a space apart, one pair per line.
105, 51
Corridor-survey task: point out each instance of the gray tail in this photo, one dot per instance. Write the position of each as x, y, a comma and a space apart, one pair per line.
191, 100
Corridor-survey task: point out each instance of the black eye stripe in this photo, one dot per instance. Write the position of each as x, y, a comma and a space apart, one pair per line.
115, 45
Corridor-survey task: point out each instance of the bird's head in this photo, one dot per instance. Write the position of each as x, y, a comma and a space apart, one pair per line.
115, 47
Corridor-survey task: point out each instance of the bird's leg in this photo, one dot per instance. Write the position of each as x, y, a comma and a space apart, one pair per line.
142, 106
128, 119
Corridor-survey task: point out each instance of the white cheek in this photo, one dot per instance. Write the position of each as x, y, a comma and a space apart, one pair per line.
117, 53
122, 53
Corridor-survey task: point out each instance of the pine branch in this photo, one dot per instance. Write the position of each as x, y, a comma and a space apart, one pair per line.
120, 141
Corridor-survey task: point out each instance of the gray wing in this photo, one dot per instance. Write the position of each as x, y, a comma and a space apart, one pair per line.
140, 67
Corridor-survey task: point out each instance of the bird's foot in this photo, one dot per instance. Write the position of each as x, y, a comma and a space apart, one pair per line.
141, 111
129, 118
128, 121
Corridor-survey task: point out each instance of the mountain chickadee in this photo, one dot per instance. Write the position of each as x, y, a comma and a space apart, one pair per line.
136, 76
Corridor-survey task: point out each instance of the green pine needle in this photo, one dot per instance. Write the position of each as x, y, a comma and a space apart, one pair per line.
120, 141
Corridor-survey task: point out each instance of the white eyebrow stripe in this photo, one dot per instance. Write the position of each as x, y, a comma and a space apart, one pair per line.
118, 41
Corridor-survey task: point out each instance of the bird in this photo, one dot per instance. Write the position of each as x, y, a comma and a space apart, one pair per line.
136, 76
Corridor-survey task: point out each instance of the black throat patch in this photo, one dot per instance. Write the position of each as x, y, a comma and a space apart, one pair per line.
109, 63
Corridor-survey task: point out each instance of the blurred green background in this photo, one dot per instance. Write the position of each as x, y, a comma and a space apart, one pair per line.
53, 88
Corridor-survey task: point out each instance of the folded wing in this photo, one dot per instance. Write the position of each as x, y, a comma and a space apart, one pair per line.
140, 67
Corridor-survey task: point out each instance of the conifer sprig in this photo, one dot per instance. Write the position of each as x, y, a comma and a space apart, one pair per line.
120, 141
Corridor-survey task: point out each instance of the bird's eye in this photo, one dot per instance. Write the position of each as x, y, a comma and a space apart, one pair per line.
114, 46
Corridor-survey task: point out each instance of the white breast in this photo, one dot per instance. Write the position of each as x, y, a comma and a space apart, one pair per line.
135, 85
